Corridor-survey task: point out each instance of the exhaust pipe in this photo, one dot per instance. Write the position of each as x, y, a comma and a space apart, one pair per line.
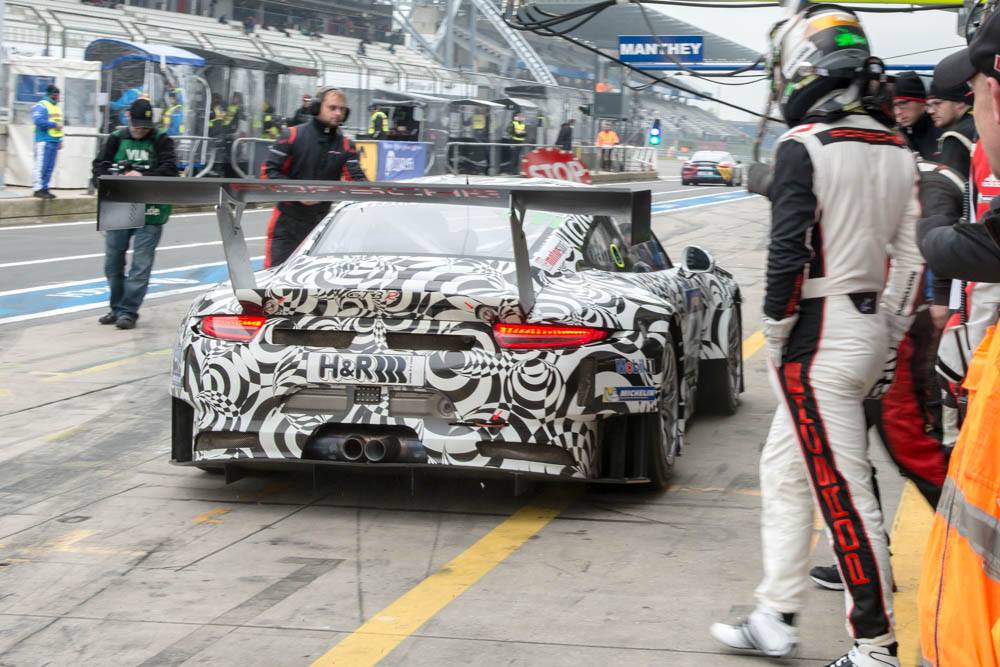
378, 450
353, 448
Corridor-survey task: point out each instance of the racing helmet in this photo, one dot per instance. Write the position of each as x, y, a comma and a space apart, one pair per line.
816, 59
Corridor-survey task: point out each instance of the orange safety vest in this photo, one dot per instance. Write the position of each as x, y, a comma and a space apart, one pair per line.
959, 599
607, 138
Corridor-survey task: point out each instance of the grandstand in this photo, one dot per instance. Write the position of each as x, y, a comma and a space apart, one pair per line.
327, 36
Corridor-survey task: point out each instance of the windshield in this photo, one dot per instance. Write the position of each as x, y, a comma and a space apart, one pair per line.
385, 228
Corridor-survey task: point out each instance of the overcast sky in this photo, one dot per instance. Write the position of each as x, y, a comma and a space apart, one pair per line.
890, 35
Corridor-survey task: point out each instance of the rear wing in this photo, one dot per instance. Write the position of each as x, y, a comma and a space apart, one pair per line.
121, 201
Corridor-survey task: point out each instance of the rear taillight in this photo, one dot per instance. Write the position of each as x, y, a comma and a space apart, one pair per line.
240, 328
533, 336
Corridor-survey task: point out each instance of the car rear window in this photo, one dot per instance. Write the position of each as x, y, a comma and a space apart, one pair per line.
387, 228
711, 156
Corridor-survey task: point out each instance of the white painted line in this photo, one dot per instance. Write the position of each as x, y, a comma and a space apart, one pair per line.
707, 194
48, 225
69, 258
73, 283
673, 192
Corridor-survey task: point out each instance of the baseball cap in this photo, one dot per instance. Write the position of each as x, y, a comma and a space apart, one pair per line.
982, 55
141, 113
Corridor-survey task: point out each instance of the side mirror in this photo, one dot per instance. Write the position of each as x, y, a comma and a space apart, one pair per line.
697, 260
418, 114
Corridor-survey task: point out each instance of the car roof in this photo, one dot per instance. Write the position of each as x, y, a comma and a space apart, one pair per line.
710, 155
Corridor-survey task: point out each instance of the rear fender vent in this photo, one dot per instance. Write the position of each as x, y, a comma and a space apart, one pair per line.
527, 452
313, 337
430, 342
227, 440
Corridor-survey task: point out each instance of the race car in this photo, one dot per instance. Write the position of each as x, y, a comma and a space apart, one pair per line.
711, 167
487, 329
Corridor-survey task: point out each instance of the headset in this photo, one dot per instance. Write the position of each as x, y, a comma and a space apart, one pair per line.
317, 100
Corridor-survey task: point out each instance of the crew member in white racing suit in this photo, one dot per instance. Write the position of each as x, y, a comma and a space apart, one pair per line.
844, 190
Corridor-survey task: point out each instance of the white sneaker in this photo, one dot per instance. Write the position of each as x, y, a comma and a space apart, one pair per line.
868, 655
763, 632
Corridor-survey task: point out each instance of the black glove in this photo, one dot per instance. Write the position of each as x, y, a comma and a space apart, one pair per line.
759, 178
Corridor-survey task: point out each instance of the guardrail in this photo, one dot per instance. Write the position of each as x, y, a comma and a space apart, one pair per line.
253, 160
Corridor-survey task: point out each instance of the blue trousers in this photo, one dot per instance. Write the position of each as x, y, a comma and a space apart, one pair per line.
127, 292
45, 163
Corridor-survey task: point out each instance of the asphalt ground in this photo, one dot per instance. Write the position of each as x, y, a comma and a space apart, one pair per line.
110, 556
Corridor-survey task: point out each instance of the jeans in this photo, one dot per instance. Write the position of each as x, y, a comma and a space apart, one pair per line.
46, 153
127, 292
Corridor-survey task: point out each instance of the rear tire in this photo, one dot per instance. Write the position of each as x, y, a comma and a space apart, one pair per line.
720, 381
663, 427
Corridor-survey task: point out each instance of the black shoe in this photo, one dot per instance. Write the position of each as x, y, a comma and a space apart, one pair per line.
827, 576
48, 195
866, 655
39, 194
110, 318
125, 323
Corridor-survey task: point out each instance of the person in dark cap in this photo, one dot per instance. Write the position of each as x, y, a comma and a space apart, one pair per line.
909, 103
951, 109
137, 150
959, 592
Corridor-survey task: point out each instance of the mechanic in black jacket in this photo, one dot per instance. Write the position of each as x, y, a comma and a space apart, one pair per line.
963, 251
909, 103
313, 151
951, 109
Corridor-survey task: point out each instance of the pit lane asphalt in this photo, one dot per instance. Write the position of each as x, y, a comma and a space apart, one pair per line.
108, 555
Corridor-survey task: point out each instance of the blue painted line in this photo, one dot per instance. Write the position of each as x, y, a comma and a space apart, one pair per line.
701, 200
35, 302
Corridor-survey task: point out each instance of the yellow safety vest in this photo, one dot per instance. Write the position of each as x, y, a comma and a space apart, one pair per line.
168, 116
231, 112
518, 130
220, 116
378, 118
55, 115
272, 131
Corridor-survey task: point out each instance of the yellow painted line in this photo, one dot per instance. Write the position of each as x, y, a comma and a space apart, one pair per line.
105, 366
210, 515
753, 343
70, 543
385, 630
59, 435
910, 531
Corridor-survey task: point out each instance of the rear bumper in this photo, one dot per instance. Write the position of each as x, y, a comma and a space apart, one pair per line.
236, 469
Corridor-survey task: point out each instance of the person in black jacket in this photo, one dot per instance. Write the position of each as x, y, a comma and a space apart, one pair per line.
909, 103
565, 138
302, 114
313, 151
137, 150
951, 109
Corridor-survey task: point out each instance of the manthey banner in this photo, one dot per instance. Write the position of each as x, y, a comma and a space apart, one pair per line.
660, 51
